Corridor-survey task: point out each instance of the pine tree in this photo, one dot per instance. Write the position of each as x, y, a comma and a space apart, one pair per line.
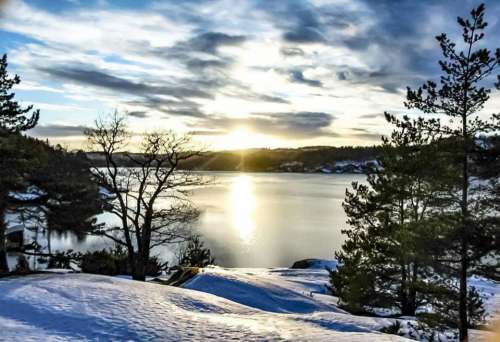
383, 259
72, 197
13, 118
460, 96
18, 157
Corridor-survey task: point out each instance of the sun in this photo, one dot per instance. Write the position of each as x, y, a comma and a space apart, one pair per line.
241, 138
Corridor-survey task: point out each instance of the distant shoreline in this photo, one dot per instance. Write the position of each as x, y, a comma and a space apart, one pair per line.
326, 160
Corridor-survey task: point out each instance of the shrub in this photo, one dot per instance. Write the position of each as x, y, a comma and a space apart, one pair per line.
63, 259
194, 254
100, 262
114, 262
155, 266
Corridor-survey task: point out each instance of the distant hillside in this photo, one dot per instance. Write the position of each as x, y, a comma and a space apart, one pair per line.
307, 159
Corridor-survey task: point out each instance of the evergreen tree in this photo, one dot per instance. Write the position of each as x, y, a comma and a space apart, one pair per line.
13, 117
383, 259
460, 96
70, 199
18, 157
14, 157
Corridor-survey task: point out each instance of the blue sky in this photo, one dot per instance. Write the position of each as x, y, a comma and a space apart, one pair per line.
239, 73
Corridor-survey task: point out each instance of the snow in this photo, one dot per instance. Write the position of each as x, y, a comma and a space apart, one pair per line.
72, 307
272, 290
31, 193
490, 293
243, 304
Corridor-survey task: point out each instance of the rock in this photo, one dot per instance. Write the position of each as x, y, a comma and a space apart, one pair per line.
315, 263
305, 263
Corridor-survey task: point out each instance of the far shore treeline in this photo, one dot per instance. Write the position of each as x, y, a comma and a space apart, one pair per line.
305, 159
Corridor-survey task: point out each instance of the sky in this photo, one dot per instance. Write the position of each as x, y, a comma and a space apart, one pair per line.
233, 73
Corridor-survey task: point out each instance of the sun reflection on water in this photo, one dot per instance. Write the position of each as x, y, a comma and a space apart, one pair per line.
243, 202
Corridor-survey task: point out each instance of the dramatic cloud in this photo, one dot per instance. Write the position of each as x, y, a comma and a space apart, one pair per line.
299, 20
104, 80
300, 125
209, 66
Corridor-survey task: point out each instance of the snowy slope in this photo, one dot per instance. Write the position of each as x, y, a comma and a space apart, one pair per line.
218, 304
70, 307
302, 291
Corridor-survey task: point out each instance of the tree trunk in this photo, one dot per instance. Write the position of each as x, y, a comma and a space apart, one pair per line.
139, 272
463, 320
463, 325
412, 291
404, 293
4, 267
131, 259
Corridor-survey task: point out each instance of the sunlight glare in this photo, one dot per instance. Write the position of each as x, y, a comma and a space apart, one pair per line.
243, 207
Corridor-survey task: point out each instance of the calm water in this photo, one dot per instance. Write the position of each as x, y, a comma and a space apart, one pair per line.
262, 219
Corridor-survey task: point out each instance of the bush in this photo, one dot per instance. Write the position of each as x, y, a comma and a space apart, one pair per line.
114, 262
155, 266
194, 254
62, 259
101, 262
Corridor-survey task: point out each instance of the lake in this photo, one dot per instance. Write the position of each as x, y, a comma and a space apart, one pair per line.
262, 219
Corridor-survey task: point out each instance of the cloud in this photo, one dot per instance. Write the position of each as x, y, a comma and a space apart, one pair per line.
299, 21
207, 133
297, 76
57, 130
366, 134
89, 76
304, 35
185, 108
198, 63
201, 51
372, 116
214, 63
138, 114
342, 75
291, 51
209, 42
298, 125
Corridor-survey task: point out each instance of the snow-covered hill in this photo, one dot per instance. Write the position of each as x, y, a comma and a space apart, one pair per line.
218, 304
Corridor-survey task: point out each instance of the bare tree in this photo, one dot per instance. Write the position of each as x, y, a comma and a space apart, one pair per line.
150, 197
